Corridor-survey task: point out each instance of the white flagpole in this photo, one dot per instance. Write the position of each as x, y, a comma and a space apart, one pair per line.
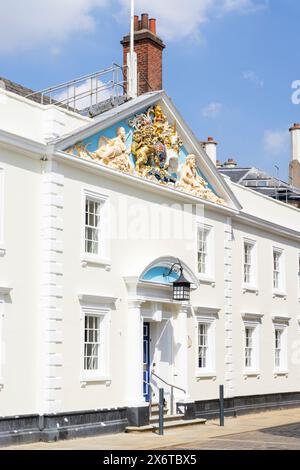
131, 59
132, 30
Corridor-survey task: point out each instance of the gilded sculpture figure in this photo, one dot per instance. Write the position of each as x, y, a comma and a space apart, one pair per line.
113, 152
110, 152
155, 146
191, 182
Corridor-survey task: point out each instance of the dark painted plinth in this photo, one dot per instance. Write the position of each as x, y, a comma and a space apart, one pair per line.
54, 427
188, 410
138, 416
237, 406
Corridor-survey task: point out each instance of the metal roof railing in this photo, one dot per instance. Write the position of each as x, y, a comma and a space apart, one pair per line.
86, 91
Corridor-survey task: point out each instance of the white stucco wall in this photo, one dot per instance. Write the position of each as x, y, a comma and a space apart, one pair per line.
19, 270
26, 118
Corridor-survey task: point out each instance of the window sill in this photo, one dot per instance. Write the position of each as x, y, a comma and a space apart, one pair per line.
250, 289
206, 280
206, 375
94, 380
87, 260
280, 373
279, 294
248, 374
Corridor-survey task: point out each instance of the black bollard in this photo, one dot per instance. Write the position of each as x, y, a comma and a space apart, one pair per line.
161, 411
221, 405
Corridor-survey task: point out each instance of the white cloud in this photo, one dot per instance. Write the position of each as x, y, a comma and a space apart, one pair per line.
276, 142
183, 18
212, 110
252, 77
29, 24
244, 6
84, 99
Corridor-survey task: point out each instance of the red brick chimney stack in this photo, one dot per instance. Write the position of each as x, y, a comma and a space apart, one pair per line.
149, 49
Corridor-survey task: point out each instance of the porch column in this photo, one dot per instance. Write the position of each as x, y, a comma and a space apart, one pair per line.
182, 353
134, 358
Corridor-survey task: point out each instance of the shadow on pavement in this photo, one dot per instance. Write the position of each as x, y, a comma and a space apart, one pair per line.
288, 430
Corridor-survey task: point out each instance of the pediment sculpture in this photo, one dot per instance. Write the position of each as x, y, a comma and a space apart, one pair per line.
191, 182
150, 149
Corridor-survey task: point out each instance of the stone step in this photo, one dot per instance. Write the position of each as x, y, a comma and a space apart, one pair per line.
156, 405
154, 419
155, 412
168, 425
155, 409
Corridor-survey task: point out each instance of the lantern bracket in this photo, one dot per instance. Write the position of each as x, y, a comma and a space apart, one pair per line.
178, 263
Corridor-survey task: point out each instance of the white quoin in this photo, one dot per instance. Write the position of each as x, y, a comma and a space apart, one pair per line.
295, 144
210, 147
135, 356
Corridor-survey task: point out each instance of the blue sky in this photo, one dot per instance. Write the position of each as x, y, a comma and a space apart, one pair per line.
228, 66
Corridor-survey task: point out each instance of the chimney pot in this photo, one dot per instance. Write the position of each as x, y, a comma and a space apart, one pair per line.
145, 21
295, 136
231, 163
210, 147
295, 126
136, 22
152, 25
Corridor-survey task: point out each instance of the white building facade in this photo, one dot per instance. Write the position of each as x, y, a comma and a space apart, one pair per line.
86, 306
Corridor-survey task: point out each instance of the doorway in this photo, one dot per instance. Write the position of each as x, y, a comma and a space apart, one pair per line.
146, 361
157, 357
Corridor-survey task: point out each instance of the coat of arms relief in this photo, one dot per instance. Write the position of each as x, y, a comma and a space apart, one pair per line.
154, 154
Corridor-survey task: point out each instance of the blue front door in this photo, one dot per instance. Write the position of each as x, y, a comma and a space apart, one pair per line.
146, 373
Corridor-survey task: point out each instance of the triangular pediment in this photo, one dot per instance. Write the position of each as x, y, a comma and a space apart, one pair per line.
147, 138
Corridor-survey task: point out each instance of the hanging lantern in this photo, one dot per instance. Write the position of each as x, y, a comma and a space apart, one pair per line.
181, 288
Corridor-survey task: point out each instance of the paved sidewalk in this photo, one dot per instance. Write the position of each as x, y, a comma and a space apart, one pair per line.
269, 430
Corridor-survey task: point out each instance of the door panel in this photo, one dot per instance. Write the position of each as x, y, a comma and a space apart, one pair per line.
146, 360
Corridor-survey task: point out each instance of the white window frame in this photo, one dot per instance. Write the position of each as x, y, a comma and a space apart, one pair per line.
254, 369
283, 367
103, 256
2, 245
209, 274
210, 369
103, 371
252, 284
280, 290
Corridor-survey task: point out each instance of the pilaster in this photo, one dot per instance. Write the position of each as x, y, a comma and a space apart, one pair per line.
52, 288
181, 360
228, 309
134, 358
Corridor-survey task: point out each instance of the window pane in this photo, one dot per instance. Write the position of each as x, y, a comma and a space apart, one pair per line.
202, 345
277, 275
202, 250
248, 266
92, 223
91, 342
278, 349
249, 347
